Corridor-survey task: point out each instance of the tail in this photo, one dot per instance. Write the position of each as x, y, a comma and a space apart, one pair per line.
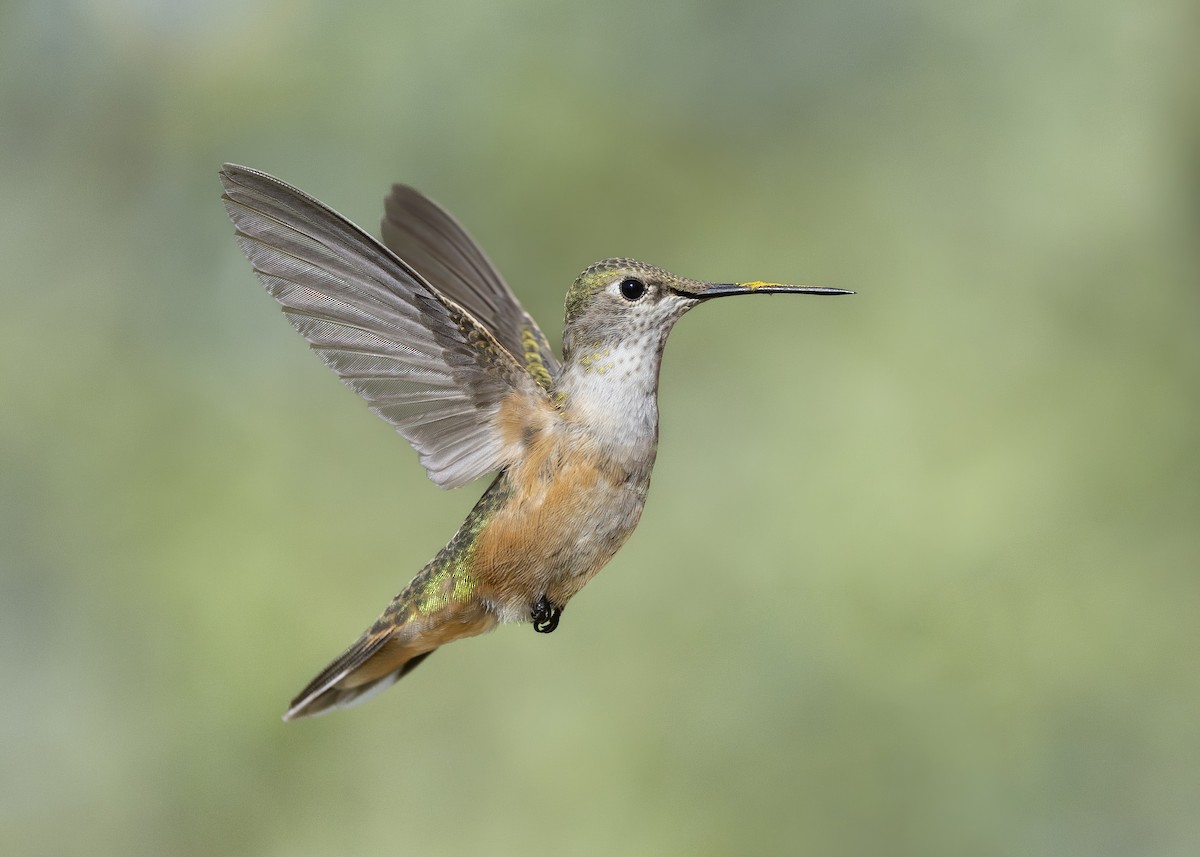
363, 670
383, 655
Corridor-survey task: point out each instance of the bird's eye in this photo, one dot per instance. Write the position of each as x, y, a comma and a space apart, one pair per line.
632, 289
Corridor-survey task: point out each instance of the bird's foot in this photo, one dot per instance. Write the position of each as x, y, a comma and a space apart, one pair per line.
545, 616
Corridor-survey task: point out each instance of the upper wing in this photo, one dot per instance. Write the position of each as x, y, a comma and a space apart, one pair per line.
422, 362
436, 245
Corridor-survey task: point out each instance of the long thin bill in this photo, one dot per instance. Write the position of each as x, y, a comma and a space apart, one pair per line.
720, 290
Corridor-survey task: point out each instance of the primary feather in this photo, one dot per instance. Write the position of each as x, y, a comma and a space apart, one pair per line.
421, 360
430, 239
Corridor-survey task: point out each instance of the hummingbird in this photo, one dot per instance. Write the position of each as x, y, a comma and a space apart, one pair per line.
424, 328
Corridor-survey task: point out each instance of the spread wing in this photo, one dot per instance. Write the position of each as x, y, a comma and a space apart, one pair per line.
435, 244
422, 361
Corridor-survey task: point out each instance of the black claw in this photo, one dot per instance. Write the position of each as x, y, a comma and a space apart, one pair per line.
545, 616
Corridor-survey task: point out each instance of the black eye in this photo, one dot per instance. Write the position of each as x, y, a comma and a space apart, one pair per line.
632, 289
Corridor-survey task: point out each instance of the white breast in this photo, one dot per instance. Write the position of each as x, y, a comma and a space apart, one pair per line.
613, 392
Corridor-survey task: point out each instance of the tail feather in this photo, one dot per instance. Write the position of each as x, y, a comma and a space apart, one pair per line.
378, 659
363, 670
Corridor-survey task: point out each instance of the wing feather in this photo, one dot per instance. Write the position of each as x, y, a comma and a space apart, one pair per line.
434, 243
421, 359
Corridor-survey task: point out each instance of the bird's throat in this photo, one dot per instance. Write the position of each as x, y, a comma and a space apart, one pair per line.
612, 394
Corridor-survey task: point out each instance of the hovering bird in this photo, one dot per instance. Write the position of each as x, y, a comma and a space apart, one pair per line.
425, 329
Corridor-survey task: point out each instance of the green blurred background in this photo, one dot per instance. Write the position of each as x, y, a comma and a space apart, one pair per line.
919, 571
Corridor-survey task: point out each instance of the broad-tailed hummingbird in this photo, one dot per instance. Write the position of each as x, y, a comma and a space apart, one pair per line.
425, 329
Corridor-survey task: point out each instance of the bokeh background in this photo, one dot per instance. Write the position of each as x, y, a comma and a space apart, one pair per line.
919, 571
